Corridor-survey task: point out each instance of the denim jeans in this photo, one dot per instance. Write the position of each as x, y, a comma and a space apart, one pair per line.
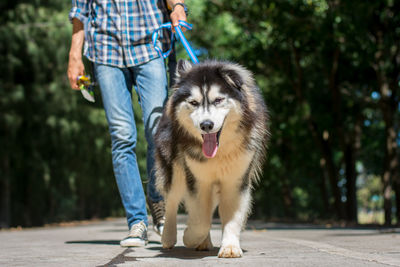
116, 84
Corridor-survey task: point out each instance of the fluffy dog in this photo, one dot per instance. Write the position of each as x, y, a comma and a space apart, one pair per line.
210, 145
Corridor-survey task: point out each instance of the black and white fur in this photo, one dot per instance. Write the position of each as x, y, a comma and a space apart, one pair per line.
224, 95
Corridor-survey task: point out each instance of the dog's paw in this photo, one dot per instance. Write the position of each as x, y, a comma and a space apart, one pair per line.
168, 245
206, 245
167, 241
193, 235
230, 251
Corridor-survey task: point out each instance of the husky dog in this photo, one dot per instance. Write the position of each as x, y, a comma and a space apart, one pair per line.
210, 144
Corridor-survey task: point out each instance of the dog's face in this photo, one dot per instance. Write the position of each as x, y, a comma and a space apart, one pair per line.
207, 97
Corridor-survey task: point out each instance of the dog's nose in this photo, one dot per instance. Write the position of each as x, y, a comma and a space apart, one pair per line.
207, 126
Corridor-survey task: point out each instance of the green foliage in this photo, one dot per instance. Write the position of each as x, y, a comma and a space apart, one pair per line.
369, 193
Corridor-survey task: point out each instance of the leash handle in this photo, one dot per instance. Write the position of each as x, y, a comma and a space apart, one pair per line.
154, 37
181, 36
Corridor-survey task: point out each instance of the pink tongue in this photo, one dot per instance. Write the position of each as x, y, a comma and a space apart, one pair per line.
210, 145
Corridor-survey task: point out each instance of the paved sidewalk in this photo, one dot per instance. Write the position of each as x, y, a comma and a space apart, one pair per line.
97, 244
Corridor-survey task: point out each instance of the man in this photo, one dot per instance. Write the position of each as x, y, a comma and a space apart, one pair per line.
117, 38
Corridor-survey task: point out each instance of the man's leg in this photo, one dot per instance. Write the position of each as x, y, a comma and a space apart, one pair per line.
116, 86
151, 85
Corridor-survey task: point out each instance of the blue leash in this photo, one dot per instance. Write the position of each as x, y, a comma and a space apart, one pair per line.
181, 37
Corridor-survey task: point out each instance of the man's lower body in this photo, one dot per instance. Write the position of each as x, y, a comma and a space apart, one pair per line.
116, 85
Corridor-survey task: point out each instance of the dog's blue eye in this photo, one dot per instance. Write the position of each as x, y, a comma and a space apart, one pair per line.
194, 103
218, 100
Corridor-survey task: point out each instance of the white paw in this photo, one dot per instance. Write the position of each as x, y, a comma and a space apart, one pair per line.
230, 251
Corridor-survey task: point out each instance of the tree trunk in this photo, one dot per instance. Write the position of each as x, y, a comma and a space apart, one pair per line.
388, 105
346, 141
350, 169
4, 177
397, 193
390, 167
285, 187
5, 194
332, 173
324, 192
388, 87
387, 201
352, 146
324, 145
287, 198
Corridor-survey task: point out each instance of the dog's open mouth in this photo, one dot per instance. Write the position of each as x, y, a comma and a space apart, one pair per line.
210, 144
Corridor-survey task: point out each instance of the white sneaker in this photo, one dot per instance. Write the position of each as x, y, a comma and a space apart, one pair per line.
157, 210
137, 236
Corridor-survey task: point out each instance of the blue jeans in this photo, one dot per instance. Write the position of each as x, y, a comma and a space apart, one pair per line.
116, 84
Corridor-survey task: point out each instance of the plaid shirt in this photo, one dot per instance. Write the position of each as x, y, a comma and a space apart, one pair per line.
118, 32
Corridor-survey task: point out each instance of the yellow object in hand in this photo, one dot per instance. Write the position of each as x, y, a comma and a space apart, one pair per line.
85, 84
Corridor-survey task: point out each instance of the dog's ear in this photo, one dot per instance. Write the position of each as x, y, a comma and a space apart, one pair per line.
183, 67
232, 77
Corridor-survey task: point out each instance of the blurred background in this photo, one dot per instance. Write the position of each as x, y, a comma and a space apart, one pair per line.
329, 72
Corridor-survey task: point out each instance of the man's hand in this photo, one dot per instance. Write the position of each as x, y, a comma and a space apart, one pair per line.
75, 69
75, 64
177, 14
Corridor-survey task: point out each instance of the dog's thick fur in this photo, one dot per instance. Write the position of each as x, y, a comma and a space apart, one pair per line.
225, 95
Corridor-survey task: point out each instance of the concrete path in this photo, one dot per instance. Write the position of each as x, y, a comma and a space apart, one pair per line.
97, 244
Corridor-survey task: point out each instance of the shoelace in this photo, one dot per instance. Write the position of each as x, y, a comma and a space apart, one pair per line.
137, 230
158, 210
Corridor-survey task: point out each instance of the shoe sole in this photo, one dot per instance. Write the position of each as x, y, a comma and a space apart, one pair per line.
133, 243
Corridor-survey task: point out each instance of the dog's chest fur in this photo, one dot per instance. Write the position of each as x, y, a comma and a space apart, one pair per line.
228, 169
228, 166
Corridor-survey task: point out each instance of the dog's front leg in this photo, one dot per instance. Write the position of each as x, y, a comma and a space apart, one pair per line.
168, 238
200, 208
233, 211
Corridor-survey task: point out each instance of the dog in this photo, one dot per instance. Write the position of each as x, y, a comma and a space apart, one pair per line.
210, 146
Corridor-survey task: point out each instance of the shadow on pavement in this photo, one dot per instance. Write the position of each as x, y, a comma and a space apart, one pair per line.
177, 253
94, 242
121, 258
102, 242
181, 252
